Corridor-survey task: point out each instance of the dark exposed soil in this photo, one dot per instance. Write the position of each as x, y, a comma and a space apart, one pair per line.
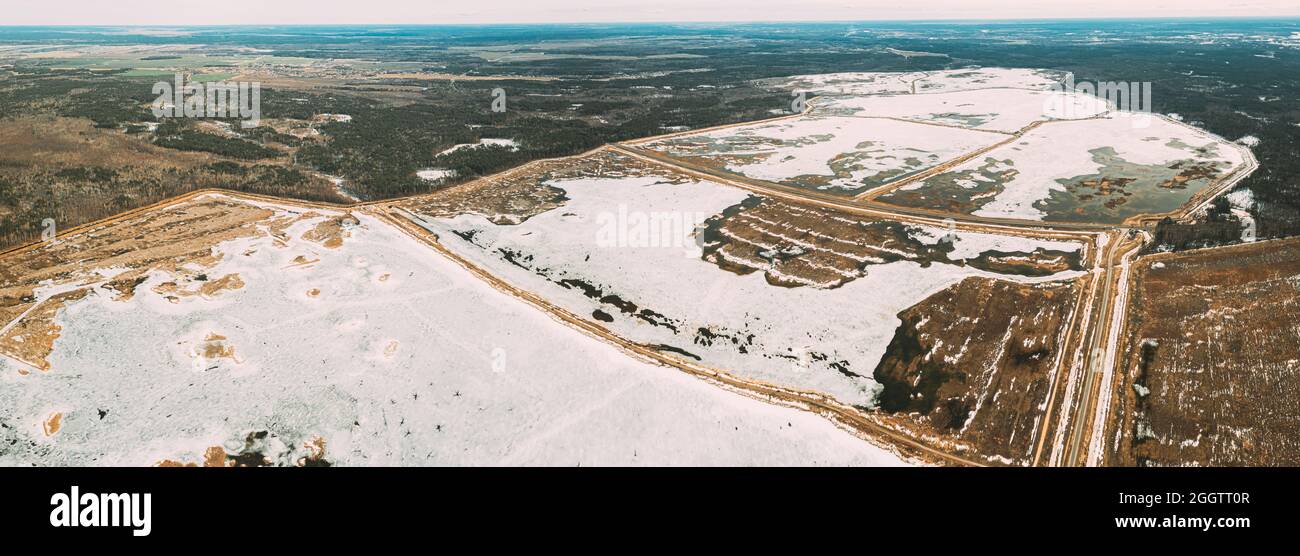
974, 362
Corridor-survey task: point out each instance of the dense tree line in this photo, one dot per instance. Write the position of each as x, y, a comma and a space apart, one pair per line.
189, 140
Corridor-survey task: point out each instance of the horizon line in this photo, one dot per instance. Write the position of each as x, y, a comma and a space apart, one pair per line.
1295, 17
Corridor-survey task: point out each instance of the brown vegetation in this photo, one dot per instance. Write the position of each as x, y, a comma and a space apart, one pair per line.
52, 424
72, 172
331, 232
794, 245
214, 456
974, 363
1212, 373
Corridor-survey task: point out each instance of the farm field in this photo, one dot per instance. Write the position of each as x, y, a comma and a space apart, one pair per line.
307, 336
890, 277
866, 288
994, 143
717, 241
735, 313
1097, 170
1004, 110
844, 156
937, 81
1210, 360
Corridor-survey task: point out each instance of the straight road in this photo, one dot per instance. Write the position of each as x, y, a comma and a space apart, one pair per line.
1093, 356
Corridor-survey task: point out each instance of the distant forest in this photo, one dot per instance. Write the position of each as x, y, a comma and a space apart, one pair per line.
607, 84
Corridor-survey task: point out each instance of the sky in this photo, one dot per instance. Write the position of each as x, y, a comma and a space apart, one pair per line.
231, 12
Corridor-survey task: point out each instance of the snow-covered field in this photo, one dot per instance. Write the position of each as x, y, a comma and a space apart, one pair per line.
1064, 151
508, 143
865, 130
1101, 169
389, 353
383, 352
435, 174
837, 154
828, 340
1005, 110
875, 83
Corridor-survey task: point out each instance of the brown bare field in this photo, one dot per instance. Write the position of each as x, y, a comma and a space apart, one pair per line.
796, 246
31, 339
392, 95
331, 232
974, 364
70, 171
65, 142
1212, 371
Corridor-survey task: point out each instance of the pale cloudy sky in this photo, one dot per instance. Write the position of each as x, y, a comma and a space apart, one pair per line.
223, 12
